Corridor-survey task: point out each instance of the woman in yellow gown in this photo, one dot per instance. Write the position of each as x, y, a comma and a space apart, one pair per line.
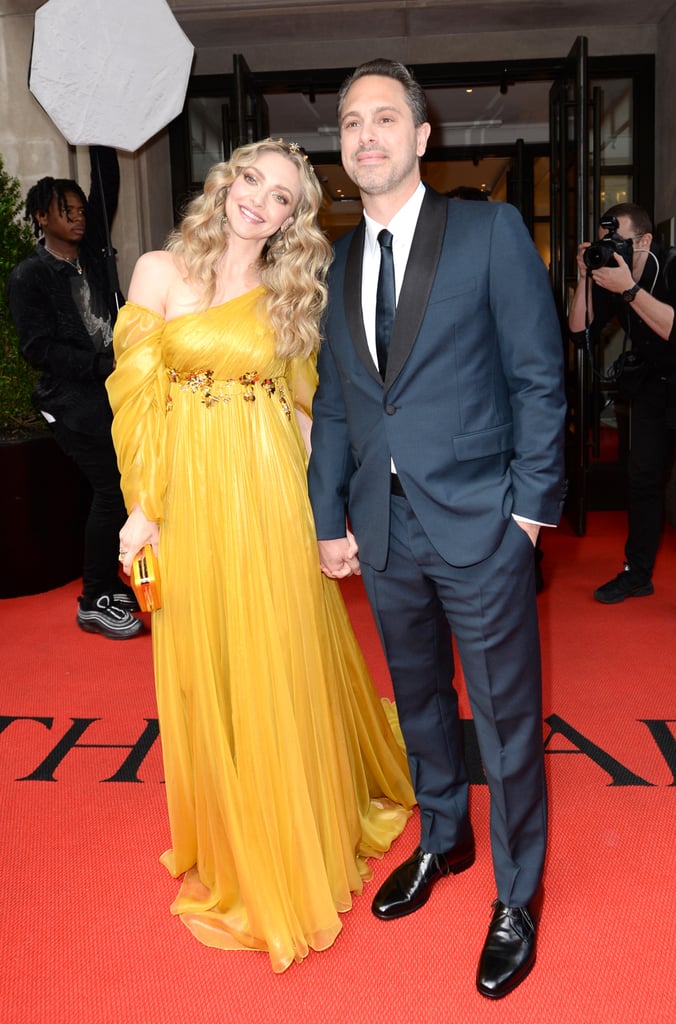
282, 771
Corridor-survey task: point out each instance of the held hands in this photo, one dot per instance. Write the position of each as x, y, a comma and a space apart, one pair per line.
134, 535
338, 558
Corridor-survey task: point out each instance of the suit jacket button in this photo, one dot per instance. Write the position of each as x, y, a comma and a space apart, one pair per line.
390, 409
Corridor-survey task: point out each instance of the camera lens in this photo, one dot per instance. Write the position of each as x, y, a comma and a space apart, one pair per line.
599, 254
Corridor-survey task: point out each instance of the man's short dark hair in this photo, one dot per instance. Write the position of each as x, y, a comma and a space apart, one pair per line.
40, 197
415, 94
636, 214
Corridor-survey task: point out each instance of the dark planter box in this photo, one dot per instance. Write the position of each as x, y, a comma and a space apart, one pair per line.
43, 508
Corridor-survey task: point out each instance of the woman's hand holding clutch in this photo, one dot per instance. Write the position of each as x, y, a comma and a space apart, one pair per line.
136, 533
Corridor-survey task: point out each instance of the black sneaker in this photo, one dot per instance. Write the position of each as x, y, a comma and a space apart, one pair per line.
624, 585
104, 617
126, 599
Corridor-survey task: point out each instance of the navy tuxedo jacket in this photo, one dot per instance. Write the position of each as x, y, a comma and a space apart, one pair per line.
472, 407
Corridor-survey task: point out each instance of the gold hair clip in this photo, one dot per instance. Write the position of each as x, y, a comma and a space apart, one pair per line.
294, 147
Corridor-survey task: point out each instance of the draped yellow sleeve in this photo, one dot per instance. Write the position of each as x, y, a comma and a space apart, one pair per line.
302, 376
137, 390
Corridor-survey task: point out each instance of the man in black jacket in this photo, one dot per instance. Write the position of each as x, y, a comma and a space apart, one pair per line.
637, 285
64, 307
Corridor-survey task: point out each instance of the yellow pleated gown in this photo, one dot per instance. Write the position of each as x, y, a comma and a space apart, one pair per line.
282, 771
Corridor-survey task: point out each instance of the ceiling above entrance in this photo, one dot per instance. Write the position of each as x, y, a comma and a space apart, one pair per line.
239, 22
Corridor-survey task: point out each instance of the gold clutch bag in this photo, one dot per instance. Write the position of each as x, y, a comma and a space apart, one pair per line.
145, 580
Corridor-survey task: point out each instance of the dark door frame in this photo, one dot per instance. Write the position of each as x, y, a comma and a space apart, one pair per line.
640, 68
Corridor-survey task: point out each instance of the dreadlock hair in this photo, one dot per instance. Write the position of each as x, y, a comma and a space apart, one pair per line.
40, 197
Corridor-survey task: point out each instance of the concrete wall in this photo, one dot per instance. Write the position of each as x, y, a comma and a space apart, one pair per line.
266, 54
32, 147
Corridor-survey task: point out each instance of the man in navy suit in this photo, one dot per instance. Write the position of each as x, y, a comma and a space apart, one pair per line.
447, 462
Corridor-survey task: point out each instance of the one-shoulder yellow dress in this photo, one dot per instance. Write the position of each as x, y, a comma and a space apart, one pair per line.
283, 773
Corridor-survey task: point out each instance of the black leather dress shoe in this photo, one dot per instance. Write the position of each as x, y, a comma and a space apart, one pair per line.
509, 951
409, 886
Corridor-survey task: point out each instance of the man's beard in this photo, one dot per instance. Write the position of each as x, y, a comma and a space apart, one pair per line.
378, 181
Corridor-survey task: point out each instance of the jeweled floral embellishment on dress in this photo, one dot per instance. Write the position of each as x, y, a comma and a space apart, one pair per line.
213, 391
273, 385
247, 380
195, 382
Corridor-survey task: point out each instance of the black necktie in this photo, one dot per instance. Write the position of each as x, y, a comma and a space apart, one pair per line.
386, 300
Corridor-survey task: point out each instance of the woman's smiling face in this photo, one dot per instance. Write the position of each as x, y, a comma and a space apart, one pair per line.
263, 197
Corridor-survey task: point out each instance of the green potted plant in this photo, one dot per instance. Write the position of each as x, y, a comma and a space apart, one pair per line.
17, 415
44, 498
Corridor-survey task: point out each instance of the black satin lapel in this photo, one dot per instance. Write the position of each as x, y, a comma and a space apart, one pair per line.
352, 299
418, 279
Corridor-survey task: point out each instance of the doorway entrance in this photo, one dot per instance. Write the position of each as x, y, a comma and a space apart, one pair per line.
561, 139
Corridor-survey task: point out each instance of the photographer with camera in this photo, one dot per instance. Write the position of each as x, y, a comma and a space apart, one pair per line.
627, 276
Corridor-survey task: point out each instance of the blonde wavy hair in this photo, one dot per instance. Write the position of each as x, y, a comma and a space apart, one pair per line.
294, 263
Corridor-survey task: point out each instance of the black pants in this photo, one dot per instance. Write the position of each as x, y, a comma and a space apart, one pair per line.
96, 459
651, 444
419, 601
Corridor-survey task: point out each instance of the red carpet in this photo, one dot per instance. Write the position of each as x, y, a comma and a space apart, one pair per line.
85, 928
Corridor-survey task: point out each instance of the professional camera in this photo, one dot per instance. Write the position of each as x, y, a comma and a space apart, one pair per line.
602, 253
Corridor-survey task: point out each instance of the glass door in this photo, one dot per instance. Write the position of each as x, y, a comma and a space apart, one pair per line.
251, 120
